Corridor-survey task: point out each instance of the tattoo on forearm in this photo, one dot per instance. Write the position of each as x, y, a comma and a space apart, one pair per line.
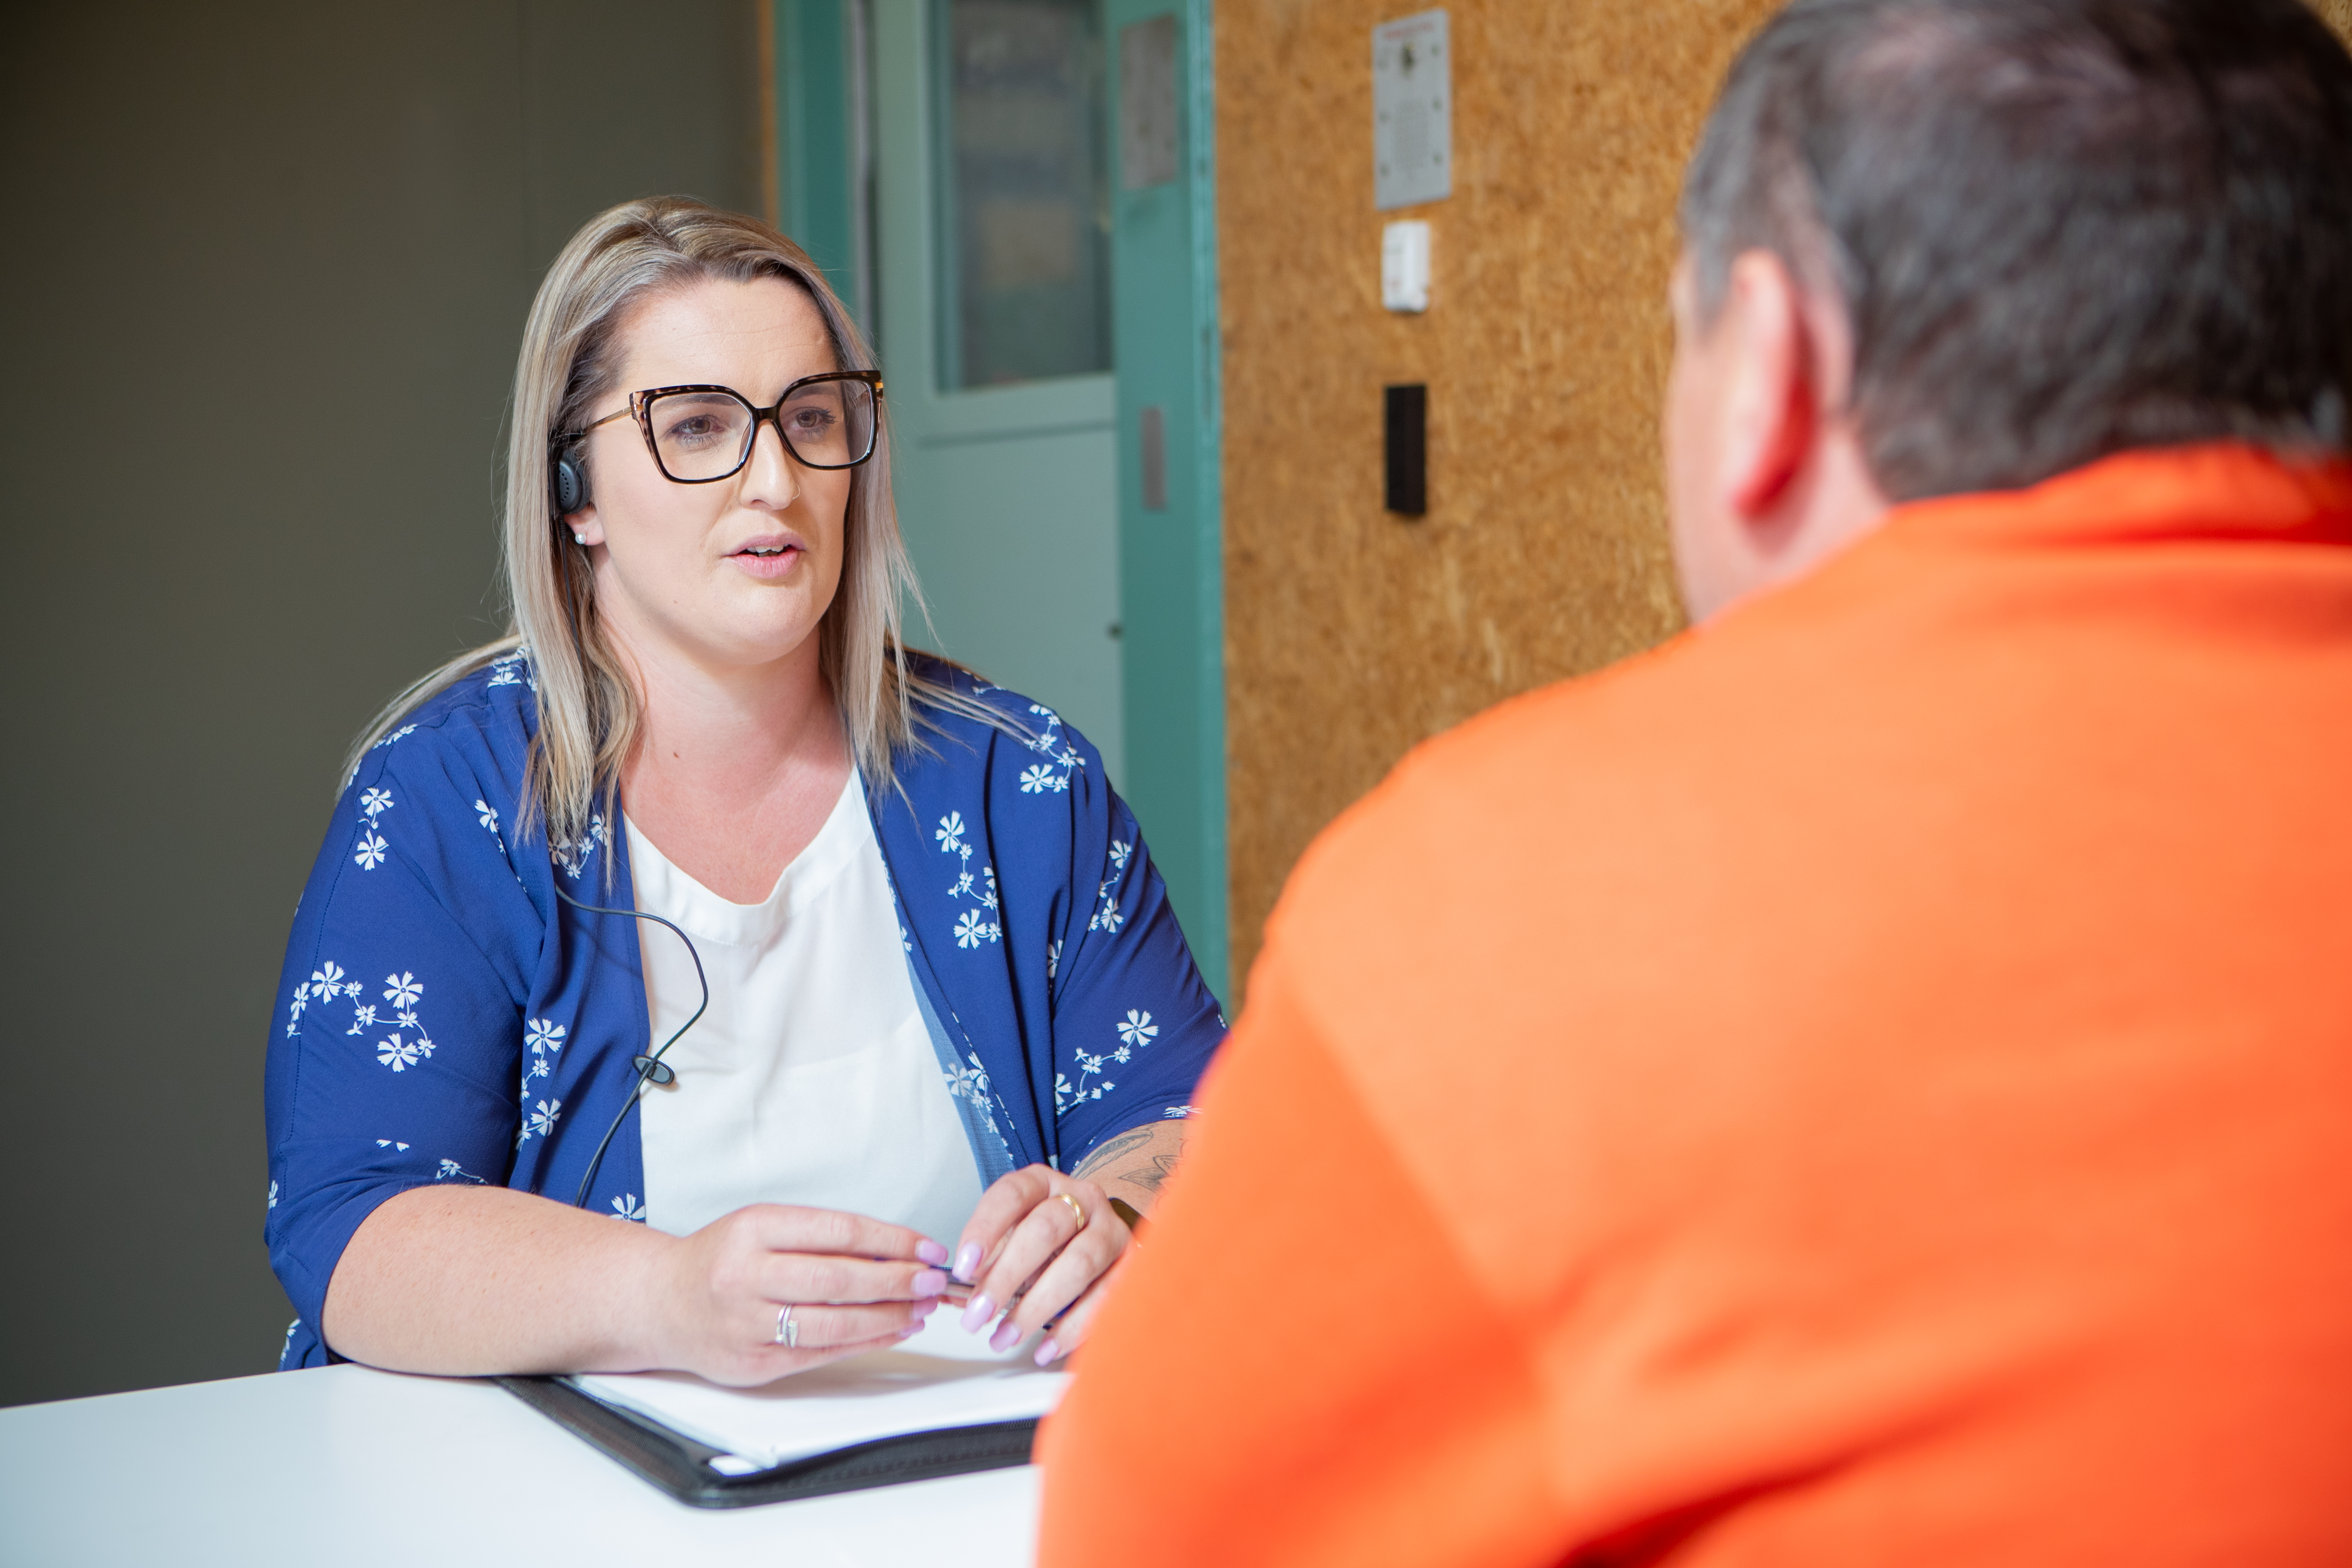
1148, 1177
1117, 1146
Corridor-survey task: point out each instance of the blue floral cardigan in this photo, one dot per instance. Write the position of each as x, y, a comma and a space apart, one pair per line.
443, 1017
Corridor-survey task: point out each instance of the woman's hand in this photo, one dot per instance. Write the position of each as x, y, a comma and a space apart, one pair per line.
1054, 1241
1053, 1234
852, 1284
477, 1281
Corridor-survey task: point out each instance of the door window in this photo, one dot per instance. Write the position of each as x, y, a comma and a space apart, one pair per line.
1024, 270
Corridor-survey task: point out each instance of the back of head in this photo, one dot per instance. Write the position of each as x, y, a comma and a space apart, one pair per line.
2060, 228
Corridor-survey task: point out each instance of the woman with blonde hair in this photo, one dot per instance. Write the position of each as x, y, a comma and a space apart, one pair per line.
685, 971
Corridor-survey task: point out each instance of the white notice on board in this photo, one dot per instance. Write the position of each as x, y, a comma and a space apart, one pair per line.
1412, 111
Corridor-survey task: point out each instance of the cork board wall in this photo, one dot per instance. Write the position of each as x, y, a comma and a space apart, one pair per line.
1349, 634
1352, 635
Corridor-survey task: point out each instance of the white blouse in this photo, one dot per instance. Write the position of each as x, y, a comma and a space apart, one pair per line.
812, 1080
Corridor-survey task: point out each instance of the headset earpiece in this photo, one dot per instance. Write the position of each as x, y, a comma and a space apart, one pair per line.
571, 484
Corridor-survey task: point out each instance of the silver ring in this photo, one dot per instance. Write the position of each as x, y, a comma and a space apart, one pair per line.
788, 1333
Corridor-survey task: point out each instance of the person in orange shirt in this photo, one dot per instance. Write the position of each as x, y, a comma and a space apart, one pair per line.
1869, 1082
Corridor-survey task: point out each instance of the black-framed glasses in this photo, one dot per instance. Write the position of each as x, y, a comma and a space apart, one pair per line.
701, 434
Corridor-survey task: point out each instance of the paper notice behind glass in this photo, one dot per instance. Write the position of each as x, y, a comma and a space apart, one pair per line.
1412, 111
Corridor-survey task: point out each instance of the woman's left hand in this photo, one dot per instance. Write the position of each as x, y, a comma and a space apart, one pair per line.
1058, 1236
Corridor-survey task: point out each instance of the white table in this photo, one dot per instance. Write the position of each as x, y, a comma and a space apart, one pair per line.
346, 1465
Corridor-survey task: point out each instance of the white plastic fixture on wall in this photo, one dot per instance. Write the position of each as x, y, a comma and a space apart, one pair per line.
1404, 265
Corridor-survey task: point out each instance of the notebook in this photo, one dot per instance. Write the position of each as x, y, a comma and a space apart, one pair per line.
940, 1404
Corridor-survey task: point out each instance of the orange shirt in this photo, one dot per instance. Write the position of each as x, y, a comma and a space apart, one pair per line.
1870, 1082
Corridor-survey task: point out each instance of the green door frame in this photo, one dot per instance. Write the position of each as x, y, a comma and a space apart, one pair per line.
1170, 561
1164, 332
809, 80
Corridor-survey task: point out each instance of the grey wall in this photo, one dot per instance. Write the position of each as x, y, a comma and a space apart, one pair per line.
266, 270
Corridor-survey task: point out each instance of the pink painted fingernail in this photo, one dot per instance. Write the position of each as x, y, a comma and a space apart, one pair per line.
1007, 1335
930, 1252
968, 1261
911, 1329
930, 1282
976, 1312
1048, 1352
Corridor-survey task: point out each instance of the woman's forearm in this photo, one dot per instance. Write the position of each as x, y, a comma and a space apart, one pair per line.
479, 1280
1134, 1166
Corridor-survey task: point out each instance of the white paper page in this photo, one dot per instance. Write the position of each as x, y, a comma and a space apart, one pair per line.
942, 1377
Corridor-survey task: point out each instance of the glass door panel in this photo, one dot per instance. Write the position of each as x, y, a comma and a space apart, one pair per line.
1023, 279
992, 259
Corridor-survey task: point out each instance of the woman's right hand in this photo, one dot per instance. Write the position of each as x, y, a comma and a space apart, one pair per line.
854, 1284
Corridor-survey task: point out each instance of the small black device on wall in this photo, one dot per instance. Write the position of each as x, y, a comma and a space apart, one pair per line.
1407, 428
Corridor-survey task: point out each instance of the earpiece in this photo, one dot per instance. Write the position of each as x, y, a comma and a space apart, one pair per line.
571, 484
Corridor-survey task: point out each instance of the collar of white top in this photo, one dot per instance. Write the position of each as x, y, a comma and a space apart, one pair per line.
664, 890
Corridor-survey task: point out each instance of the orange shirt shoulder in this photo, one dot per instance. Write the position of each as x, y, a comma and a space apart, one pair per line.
1871, 1082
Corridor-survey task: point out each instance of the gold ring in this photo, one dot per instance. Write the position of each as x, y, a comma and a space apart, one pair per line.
1075, 1208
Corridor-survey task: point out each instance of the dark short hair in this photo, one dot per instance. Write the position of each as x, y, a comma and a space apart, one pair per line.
2061, 228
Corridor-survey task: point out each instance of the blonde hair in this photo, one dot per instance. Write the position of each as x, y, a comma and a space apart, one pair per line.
589, 707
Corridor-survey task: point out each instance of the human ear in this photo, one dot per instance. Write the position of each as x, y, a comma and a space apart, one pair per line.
1767, 411
585, 526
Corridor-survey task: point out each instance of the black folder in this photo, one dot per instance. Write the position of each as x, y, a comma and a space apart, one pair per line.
681, 1465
